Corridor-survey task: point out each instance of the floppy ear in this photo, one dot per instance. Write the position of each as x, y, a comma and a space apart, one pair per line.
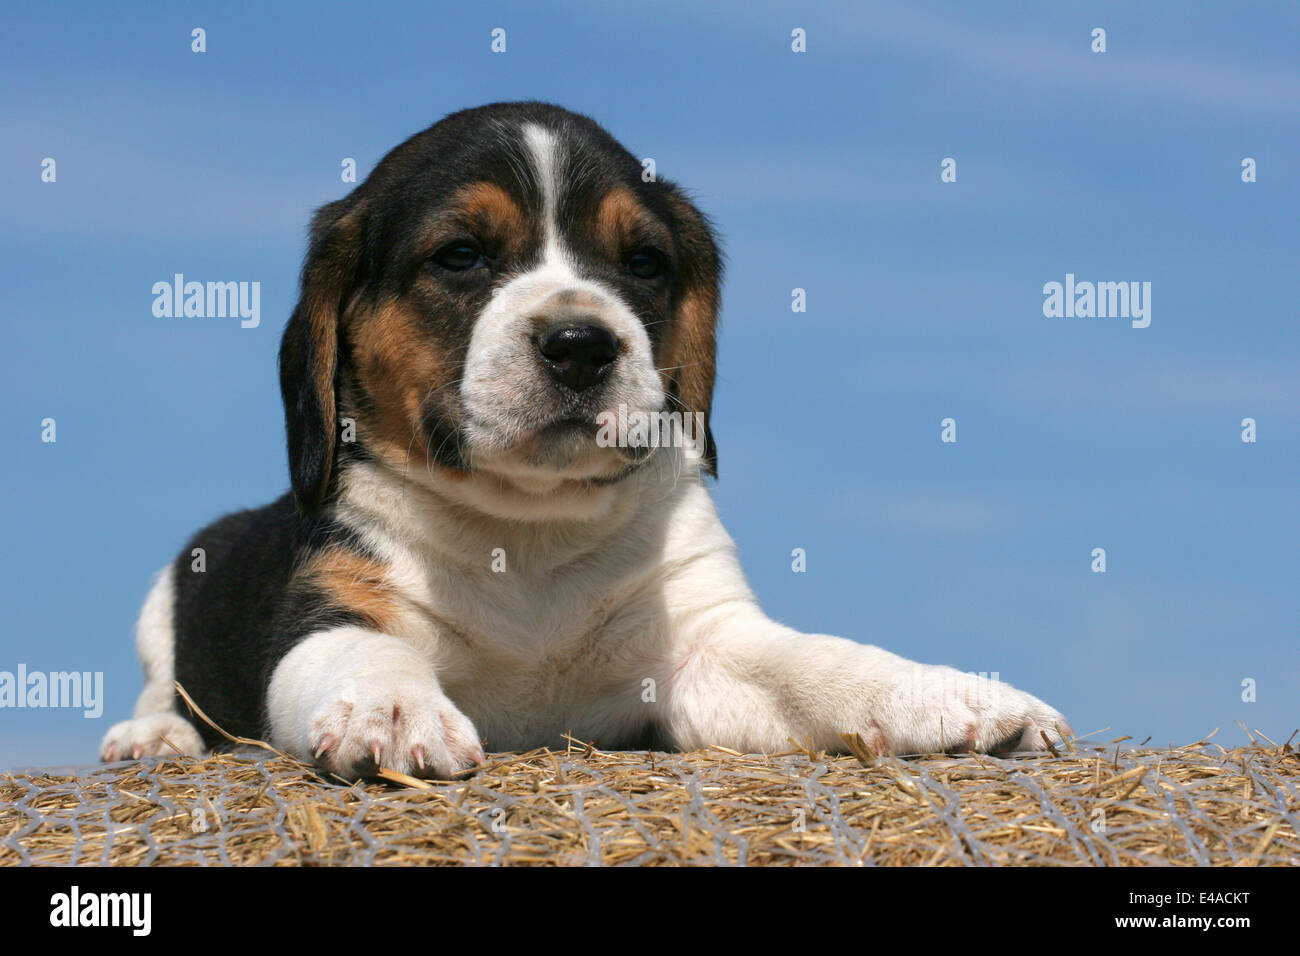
309, 350
690, 346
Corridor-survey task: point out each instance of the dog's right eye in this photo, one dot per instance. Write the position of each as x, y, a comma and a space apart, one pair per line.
646, 263
459, 257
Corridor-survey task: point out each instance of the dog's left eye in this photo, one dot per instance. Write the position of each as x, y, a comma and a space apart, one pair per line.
459, 257
646, 264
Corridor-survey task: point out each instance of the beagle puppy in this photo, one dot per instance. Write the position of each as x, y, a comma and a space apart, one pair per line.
473, 555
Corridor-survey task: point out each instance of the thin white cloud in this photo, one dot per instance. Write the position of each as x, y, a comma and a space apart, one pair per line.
912, 511
1067, 60
951, 33
121, 191
1159, 386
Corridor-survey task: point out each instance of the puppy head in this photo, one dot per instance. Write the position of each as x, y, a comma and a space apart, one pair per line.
501, 285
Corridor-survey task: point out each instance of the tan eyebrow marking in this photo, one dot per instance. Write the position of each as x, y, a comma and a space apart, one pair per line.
621, 215
493, 206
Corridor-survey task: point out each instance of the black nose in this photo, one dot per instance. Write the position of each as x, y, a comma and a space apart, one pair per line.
579, 356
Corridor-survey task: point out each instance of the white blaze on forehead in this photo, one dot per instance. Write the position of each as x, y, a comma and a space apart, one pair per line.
508, 393
544, 150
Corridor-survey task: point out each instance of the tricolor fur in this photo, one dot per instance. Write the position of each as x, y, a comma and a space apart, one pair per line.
460, 564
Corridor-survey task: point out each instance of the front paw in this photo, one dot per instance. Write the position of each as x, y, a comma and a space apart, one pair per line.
151, 736
400, 723
942, 710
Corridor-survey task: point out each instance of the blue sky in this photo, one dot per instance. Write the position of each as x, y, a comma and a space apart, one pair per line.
821, 170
